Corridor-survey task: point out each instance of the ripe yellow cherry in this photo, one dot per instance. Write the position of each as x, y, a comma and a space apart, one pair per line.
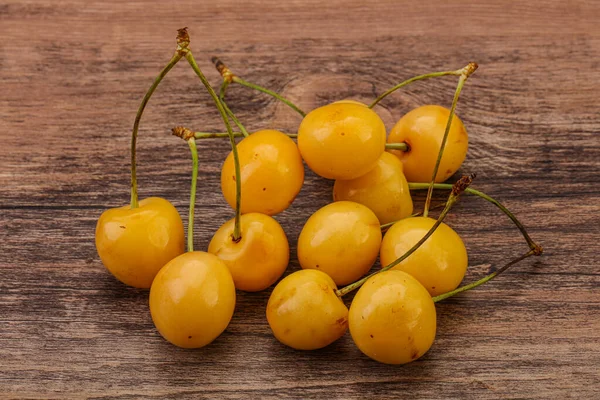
383, 189
341, 239
272, 173
392, 318
423, 130
192, 299
341, 140
259, 258
439, 264
134, 244
305, 313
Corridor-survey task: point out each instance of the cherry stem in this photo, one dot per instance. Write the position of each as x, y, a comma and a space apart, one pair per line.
237, 234
457, 189
183, 41
215, 135
231, 77
218, 135
389, 224
532, 245
229, 112
466, 72
190, 238
411, 80
402, 146
134, 134
485, 278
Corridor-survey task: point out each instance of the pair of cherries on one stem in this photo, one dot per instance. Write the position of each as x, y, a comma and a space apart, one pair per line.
192, 295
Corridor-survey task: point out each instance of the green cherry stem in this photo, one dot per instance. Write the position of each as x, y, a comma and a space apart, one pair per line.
389, 224
188, 136
190, 238
294, 107
235, 120
237, 234
382, 96
136, 125
458, 188
182, 43
485, 278
217, 135
230, 76
532, 245
466, 72
223, 89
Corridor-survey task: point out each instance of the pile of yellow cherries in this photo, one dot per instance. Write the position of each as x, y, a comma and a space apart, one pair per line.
392, 317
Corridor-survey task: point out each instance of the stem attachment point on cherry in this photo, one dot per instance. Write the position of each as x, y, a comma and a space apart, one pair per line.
402, 146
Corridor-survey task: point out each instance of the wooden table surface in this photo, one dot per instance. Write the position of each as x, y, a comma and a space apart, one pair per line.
71, 77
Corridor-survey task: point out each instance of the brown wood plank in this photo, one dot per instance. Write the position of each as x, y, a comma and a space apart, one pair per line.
72, 74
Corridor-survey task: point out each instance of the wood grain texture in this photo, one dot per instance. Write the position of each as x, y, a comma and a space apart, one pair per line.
72, 74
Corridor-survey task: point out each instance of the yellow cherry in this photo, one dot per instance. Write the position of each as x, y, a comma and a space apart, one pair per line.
341, 239
341, 140
392, 318
383, 189
423, 130
272, 173
439, 264
259, 258
192, 299
135, 243
305, 313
